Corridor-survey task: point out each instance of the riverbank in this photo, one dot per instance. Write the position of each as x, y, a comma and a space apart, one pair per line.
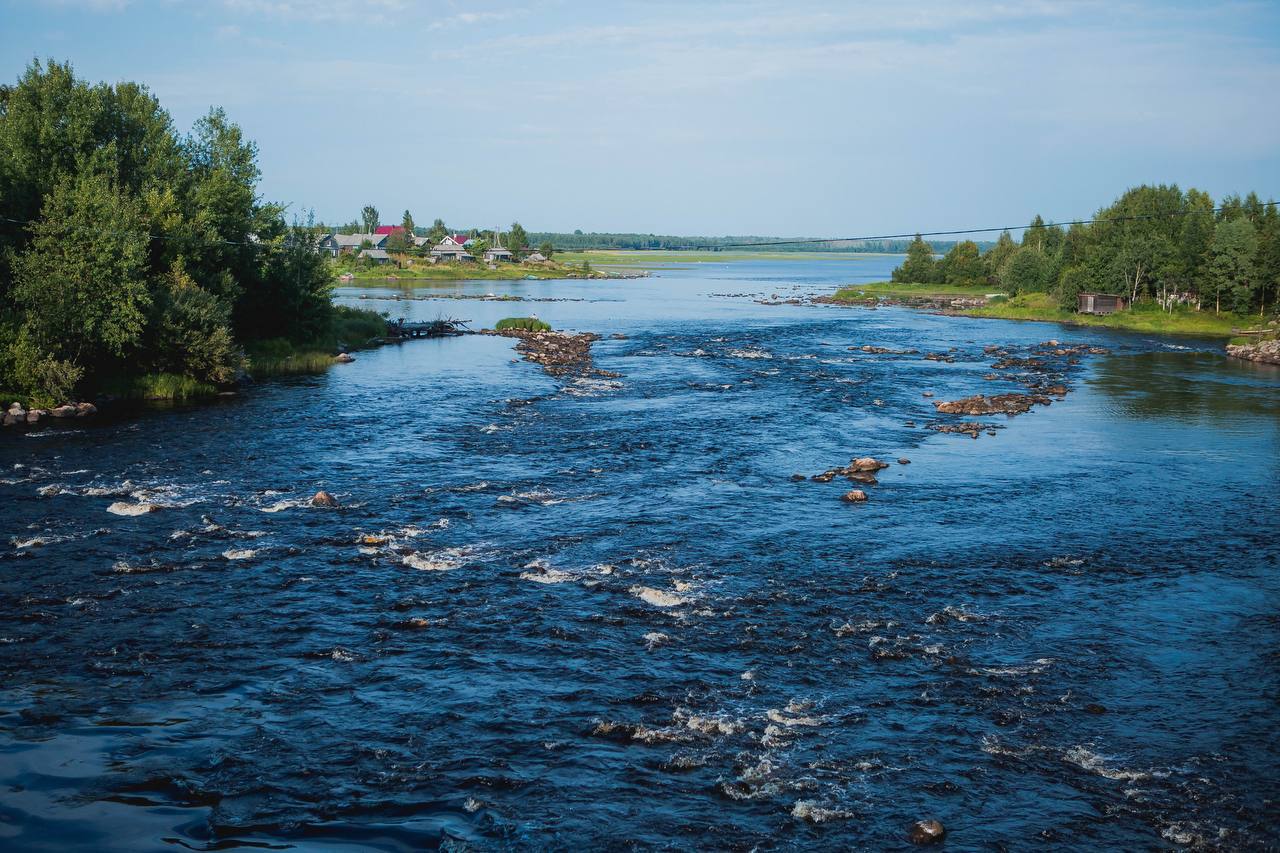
1043, 307
352, 329
475, 272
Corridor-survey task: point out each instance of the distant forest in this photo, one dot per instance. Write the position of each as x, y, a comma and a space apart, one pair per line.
604, 240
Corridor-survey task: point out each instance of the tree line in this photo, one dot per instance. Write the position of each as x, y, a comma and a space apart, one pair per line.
1154, 242
129, 248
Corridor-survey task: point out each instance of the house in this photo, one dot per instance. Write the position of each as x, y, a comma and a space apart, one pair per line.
387, 230
1100, 303
419, 242
452, 248
492, 256
378, 256
345, 244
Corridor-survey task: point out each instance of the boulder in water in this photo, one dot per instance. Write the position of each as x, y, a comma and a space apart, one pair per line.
64, 411
126, 508
854, 496
85, 409
344, 358
902, 460
927, 832
323, 498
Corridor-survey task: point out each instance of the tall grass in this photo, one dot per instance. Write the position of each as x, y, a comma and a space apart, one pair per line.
160, 386
1143, 317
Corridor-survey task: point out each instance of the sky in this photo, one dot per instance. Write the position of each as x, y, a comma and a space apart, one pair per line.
701, 118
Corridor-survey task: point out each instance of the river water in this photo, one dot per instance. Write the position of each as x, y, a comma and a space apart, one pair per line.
599, 613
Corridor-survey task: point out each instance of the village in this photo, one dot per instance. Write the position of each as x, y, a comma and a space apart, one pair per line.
396, 245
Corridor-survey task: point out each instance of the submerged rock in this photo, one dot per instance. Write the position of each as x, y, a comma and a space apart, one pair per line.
854, 496
927, 832
323, 498
902, 460
344, 358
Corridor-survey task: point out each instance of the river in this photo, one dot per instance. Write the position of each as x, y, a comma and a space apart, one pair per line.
576, 614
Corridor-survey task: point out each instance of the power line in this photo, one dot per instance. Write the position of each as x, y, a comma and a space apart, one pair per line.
959, 231
256, 244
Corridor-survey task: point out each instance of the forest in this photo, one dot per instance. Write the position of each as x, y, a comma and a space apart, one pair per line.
131, 250
1154, 243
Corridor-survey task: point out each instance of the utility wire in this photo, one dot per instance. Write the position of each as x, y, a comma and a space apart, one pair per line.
914, 234
762, 243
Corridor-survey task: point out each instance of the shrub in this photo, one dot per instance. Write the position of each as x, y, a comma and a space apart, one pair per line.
531, 324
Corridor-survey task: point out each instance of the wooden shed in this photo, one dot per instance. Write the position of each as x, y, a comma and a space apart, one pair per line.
1101, 303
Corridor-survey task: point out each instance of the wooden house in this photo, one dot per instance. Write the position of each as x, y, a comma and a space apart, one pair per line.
1100, 303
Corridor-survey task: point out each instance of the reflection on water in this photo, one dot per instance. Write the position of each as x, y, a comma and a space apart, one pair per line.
1190, 386
577, 615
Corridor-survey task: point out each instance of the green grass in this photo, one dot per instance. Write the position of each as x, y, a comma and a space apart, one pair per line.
527, 323
896, 290
1144, 317
465, 272
353, 328
356, 327
160, 386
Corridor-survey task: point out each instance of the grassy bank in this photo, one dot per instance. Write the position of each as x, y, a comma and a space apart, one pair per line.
471, 272
895, 290
1144, 317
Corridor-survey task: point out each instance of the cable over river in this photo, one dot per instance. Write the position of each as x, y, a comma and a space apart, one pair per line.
598, 611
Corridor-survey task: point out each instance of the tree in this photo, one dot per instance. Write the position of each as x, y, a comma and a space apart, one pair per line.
963, 265
995, 258
399, 241
517, 239
369, 219
1232, 264
82, 282
437, 231
547, 249
918, 268
191, 332
407, 224
1024, 272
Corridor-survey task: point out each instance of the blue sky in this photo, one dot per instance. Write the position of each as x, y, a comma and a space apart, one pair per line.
701, 117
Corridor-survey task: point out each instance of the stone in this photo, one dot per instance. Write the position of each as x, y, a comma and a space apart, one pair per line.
825, 476
323, 498
927, 394
34, 416
65, 411
85, 409
1094, 708
927, 832
867, 463
796, 478
344, 358
865, 477
854, 496
10, 419
902, 460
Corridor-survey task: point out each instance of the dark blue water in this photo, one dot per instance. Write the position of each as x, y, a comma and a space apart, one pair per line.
599, 613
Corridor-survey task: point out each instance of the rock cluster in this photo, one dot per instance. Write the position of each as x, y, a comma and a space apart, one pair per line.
1265, 352
559, 353
867, 348
16, 414
999, 404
